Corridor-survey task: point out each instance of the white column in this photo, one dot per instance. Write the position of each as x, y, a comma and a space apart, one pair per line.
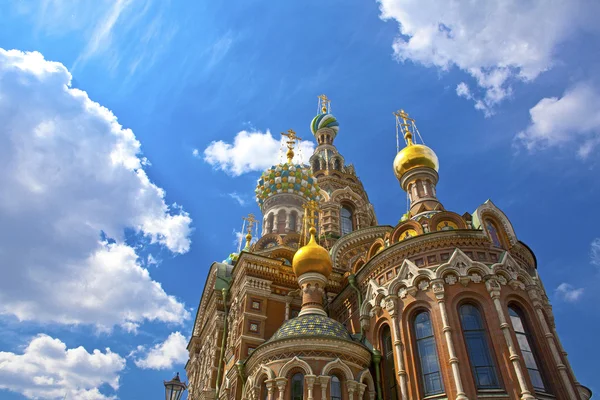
270, 388
391, 304
281, 382
275, 228
361, 390
324, 382
562, 368
493, 288
310, 382
287, 221
351, 385
438, 290
425, 191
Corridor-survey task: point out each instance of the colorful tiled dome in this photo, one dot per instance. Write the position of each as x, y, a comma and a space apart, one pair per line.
287, 178
324, 121
312, 325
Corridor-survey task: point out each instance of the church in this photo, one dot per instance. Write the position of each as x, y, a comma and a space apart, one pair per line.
329, 304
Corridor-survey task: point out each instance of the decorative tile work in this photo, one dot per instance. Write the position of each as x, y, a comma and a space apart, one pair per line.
312, 325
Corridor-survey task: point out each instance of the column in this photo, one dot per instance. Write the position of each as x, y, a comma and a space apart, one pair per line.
324, 382
391, 305
438, 290
274, 228
351, 385
493, 288
425, 191
562, 368
281, 382
310, 382
270, 388
287, 221
361, 390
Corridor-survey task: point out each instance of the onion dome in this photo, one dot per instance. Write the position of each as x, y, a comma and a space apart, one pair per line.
324, 120
312, 325
413, 155
231, 259
287, 178
312, 258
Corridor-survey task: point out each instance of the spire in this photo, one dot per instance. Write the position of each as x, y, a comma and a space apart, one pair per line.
250, 220
324, 105
291, 142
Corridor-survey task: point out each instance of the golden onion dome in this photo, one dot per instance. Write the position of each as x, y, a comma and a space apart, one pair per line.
312, 258
414, 156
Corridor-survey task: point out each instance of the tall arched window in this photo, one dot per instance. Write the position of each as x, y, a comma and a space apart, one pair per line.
281, 215
297, 386
270, 226
431, 377
482, 363
293, 221
335, 390
264, 392
527, 349
389, 371
346, 219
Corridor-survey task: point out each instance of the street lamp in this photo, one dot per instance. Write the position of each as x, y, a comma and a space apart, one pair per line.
174, 388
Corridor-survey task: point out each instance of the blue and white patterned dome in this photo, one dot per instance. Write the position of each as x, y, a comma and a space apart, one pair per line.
287, 178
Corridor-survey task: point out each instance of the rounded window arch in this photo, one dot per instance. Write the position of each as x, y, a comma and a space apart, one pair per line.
297, 386
281, 215
346, 220
335, 388
428, 361
527, 347
387, 360
337, 164
293, 218
494, 233
270, 220
483, 366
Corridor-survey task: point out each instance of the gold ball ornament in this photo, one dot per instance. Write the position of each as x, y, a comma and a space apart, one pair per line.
312, 258
414, 156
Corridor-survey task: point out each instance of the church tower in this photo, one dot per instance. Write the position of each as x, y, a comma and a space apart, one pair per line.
345, 206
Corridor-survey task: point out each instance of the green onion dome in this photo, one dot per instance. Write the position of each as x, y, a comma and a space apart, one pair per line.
324, 121
287, 178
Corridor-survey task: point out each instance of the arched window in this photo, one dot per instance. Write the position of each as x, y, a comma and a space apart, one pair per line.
281, 221
335, 390
527, 349
297, 388
346, 220
389, 371
270, 226
264, 392
493, 233
337, 165
293, 221
316, 165
431, 377
482, 364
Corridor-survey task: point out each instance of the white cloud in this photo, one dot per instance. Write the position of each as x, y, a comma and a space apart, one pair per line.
71, 176
163, 355
569, 293
48, 370
573, 118
236, 196
495, 42
195, 153
595, 252
252, 151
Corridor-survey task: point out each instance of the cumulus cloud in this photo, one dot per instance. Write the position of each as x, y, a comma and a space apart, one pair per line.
595, 252
252, 151
73, 182
164, 355
569, 293
572, 118
495, 42
48, 370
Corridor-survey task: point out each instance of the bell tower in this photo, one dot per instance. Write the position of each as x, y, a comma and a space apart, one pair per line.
344, 205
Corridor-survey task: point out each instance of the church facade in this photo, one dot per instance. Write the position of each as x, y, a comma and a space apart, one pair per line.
328, 304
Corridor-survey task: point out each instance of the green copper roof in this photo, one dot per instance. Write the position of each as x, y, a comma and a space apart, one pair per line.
312, 325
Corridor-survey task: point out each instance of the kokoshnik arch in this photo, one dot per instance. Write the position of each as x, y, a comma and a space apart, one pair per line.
328, 304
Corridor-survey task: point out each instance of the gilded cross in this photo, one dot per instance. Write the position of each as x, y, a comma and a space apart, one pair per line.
292, 139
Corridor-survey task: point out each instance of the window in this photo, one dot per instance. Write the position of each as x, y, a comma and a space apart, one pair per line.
297, 386
281, 221
527, 349
335, 389
270, 219
389, 372
482, 364
293, 222
431, 377
256, 305
264, 391
346, 218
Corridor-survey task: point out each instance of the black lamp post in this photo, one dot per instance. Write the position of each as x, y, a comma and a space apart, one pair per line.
174, 388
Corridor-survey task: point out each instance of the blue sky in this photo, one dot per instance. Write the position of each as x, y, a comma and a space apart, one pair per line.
110, 229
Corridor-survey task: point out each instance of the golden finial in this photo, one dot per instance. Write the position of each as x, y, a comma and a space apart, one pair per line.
324, 103
250, 221
291, 142
405, 126
311, 216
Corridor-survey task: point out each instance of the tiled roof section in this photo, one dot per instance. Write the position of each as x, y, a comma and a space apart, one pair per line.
312, 325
